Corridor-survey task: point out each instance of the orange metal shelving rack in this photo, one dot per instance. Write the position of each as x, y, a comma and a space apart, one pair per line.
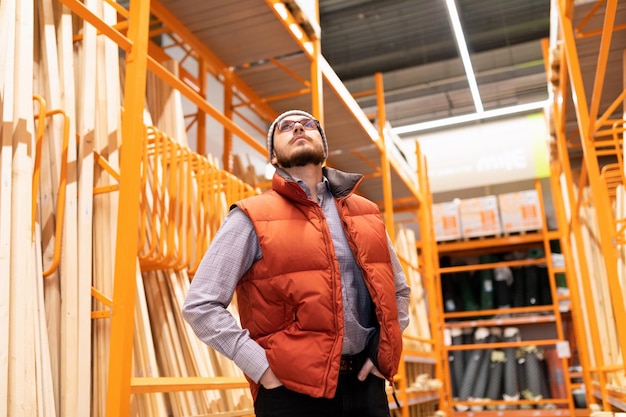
599, 138
527, 316
427, 259
132, 34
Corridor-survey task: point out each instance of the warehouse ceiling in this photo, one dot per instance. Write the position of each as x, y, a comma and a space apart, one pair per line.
411, 42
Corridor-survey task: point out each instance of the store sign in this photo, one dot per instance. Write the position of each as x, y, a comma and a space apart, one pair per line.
487, 154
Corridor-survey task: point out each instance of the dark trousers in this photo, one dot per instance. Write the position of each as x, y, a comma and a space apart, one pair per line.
353, 398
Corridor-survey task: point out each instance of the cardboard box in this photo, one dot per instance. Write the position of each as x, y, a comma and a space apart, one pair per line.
480, 217
520, 211
446, 221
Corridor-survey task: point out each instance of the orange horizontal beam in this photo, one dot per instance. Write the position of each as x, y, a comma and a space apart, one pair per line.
500, 321
146, 385
202, 104
450, 247
480, 267
82, 11
503, 345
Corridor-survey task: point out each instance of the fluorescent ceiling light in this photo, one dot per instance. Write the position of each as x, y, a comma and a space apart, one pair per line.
462, 45
480, 113
503, 111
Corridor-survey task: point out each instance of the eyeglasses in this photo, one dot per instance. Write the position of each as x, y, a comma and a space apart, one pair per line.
288, 125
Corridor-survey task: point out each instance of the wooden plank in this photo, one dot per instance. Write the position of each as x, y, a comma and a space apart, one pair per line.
146, 365
165, 346
45, 383
173, 384
7, 28
106, 142
65, 50
421, 310
59, 62
50, 90
599, 286
75, 403
197, 355
418, 325
104, 231
22, 336
620, 216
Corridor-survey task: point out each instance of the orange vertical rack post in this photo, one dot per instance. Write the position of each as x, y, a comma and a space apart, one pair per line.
122, 317
426, 250
429, 258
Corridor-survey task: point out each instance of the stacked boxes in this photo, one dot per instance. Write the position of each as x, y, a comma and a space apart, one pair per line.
487, 216
446, 221
479, 216
520, 211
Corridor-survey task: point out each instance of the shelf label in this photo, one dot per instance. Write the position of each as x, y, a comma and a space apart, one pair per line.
563, 350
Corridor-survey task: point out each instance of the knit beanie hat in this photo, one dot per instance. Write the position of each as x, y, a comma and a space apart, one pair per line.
270, 132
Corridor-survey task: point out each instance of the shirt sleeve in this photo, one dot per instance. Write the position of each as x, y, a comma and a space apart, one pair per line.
233, 250
403, 290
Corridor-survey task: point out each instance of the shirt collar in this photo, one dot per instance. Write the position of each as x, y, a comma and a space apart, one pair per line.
322, 188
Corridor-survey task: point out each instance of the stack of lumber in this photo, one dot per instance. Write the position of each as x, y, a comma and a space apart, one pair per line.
24, 360
418, 332
619, 381
45, 325
185, 197
60, 100
595, 289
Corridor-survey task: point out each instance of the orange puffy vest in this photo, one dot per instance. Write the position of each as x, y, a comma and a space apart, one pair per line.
290, 300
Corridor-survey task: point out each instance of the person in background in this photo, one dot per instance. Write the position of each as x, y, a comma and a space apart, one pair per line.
321, 295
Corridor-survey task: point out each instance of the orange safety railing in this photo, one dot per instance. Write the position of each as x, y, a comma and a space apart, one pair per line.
184, 198
60, 206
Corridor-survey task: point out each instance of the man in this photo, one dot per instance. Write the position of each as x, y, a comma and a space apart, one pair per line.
321, 295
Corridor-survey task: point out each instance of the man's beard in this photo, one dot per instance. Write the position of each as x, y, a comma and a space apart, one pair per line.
301, 157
